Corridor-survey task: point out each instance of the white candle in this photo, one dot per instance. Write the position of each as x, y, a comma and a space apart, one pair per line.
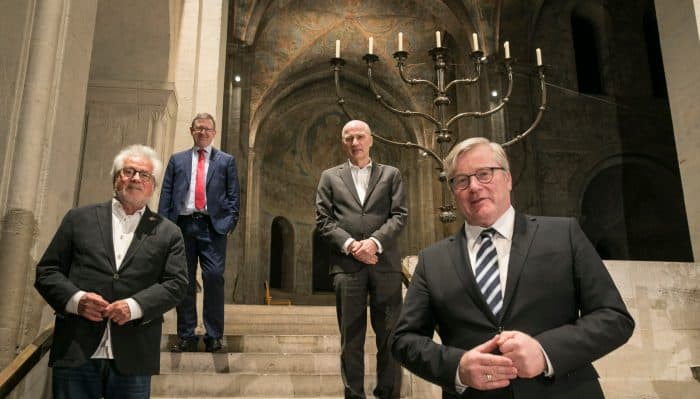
538, 52
337, 49
506, 47
400, 41
438, 43
475, 42
371, 44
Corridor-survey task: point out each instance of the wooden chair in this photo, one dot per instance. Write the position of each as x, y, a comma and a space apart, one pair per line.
270, 301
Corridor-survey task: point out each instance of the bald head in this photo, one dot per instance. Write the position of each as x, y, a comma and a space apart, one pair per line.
356, 125
357, 140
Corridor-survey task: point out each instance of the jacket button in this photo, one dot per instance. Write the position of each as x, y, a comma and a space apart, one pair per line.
116, 276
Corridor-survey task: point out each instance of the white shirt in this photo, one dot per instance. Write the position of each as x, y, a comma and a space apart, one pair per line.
360, 177
189, 207
123, 227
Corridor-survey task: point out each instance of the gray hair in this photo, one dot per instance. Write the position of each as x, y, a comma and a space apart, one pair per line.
203, 115
469, 144
137, 151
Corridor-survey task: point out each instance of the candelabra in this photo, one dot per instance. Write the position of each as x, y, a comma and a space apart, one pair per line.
440, 118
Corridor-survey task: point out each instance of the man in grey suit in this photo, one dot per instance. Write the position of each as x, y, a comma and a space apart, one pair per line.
523, 304
360, 211
110, 273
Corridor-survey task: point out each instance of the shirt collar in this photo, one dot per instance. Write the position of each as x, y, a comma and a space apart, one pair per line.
118, 209
355, 167
504, 226
206, 149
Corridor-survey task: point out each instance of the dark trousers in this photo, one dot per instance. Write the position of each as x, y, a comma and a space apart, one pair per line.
98, 378
351, 291
205, 246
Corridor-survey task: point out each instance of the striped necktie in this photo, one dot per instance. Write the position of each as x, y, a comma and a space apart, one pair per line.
487, 274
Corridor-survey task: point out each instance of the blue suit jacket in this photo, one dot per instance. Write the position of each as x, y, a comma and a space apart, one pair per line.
223, 192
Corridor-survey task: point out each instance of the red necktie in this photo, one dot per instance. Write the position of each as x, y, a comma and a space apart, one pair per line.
199, 183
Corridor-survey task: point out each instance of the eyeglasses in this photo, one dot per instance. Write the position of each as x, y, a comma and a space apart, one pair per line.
131, 172
203, 130
483, 175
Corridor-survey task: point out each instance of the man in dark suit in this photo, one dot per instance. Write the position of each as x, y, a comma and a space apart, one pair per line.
360, 211
201, 194
110, 273
523, 304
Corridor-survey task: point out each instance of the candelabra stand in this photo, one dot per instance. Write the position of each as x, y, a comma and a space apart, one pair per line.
440, 118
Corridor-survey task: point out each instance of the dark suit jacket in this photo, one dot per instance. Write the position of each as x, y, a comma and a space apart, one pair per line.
554, 273
339, 214
81, 257
223, 192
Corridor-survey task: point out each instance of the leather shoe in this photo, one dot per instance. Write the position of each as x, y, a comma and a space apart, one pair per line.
213, 344
185, 345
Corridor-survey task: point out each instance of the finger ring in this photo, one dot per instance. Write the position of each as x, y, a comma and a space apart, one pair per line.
488, 377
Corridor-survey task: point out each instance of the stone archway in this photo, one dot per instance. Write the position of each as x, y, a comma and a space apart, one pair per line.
281, 254
631, 209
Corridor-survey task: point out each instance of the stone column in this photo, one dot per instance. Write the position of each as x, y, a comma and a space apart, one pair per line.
50, 116
199, 67
252, 272
122, 113
678, 33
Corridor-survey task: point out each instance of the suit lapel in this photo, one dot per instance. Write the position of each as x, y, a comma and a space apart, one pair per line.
459, 255
186, 164
212, 164
346, 177
145, 228
374, 176
523, 233
104, 224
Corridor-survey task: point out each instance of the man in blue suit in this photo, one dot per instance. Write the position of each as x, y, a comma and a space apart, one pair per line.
201, 194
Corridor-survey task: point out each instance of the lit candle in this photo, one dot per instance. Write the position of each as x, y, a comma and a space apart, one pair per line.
475, 41
438, 43
400, 41
337, 49
371, 44
506, 47
538, 52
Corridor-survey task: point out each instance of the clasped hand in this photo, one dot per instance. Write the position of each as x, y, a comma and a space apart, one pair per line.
521, 356
95, 308
365, 251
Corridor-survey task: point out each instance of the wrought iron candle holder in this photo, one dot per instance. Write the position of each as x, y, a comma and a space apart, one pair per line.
440, 118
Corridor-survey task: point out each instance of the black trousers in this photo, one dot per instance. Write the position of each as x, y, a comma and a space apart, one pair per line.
351, 292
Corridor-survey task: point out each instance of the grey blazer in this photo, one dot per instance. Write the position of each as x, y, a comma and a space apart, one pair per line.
340, 215
81, 257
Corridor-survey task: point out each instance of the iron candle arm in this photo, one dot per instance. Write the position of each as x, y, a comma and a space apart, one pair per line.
337, 65
540, 112
401, 57
504, 101
477, 57
371, 59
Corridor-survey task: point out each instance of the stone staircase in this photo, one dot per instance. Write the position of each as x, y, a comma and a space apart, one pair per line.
270, 352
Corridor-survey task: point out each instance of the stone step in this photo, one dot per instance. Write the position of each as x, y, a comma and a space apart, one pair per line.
261, 343
261, 363
262, 319
223, 385
250, 397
